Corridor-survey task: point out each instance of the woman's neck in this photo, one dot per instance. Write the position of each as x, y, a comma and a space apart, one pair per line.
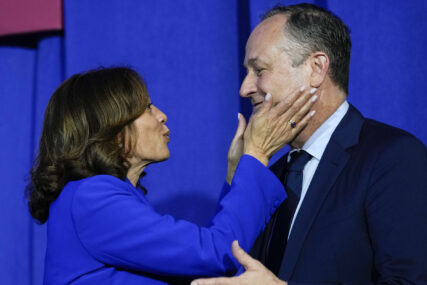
134, 173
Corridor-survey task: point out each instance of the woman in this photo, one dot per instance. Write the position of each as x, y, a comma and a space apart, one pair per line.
100, 131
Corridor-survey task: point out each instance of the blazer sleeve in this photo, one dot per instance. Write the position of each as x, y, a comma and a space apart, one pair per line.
397, 214
118, 229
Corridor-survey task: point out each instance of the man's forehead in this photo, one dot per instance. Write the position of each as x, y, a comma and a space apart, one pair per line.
267, 35
273, 25
262, 52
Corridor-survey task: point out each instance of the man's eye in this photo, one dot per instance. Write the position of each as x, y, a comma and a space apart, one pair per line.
259, 71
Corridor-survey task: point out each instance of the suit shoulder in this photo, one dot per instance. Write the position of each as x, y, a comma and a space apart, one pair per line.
383, 135
386, 147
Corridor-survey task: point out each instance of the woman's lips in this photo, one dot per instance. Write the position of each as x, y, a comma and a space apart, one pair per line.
167, 135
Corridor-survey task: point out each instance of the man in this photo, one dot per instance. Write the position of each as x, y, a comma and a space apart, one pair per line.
356, 210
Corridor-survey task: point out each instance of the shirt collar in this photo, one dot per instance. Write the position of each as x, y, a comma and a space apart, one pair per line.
318, 141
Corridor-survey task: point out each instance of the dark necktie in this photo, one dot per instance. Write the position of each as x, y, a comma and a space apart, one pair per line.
286, 211
293, 180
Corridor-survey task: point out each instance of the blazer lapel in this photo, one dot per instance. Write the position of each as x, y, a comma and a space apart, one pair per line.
333, 161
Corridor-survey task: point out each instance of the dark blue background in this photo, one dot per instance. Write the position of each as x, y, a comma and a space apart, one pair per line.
190, 53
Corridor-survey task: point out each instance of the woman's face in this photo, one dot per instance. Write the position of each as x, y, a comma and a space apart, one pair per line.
152, 137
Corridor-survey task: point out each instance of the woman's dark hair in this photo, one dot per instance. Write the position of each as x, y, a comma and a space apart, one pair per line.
85, 125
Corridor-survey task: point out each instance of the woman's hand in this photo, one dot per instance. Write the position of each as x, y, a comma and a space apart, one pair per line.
272, 126
255, 272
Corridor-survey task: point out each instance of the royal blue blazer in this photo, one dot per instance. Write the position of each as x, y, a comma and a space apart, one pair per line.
102, 230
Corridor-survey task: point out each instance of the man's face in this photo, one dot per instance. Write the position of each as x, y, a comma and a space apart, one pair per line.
269, 67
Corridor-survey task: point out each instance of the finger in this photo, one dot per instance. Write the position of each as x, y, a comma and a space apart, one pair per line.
265, 106
213, 281
236, 143
300, 102
242, 257
300, 125
240, 127
295, 98
302, 111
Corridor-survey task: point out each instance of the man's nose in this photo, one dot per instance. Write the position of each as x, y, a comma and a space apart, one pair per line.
248, 86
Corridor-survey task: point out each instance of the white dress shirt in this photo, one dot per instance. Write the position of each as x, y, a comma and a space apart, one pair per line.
315, 146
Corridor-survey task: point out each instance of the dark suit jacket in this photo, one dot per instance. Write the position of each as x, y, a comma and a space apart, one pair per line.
364, 218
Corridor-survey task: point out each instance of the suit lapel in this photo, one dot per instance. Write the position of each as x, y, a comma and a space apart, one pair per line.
262, 245
330, 166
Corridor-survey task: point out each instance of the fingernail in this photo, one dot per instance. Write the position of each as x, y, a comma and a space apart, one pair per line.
312, 113
302, 88
238, 246
193, 283
314, 98
238, 116
267, 97
313, 90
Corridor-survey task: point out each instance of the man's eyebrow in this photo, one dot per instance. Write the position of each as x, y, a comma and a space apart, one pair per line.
254, 62
251, 62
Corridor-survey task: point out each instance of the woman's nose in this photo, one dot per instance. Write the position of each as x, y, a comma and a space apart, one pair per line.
160, 115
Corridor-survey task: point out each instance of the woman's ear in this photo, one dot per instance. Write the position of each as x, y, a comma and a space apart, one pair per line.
319, 62
125, 140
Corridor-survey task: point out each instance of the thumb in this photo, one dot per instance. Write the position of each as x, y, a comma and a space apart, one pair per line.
242, 257
240, 127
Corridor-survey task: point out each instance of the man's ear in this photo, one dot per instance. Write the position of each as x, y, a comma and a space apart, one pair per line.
319, 62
